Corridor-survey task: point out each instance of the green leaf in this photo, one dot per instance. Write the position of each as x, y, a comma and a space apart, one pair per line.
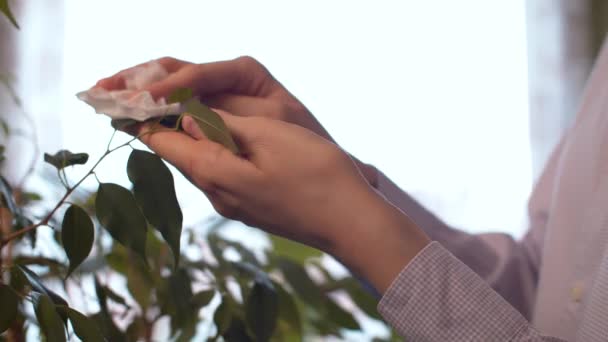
293, 250
139, 282
101, 295
237, 332
120, 215
218, 244
180, 292
340, 316
202, 299
289, 326
107, 327
364, 300
10, 304
223, 316
300, 281
48, 319
136, 330
29, 197
210, 123
180, 95
122, 124
77, 235
37, 285
66, 158
154, 191
262, 310
19, 281
117, 259
84, 327
6, 10
104, 292
103, 319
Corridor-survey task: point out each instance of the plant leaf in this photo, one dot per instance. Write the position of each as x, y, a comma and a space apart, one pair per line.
139, 281
120, 215
154, 191
364, 300
237, 331
6, 10
292, 250
180, 292
301, 282
262, 310
77, 235
289, 325
223, 316
103, 319
37, 285
84, 327
64, 158
48, 319
180, 95
28, 197
10, 304
202, 299
115, 297
210, 123
340, 316
121, 124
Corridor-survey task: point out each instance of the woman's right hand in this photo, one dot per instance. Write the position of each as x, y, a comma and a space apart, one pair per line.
241, 86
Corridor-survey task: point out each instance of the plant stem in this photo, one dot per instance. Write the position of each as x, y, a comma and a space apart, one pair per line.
9, 237
6, 239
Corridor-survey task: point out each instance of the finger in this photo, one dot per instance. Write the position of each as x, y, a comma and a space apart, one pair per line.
191, 127
117, 81
208, 164
244, 76
244, 105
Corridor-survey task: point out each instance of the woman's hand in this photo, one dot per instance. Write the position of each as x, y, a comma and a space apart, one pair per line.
293, 183
242, 87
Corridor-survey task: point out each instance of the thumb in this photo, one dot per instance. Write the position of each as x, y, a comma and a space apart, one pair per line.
238, 129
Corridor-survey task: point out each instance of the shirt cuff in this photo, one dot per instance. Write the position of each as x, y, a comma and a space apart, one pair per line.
438, 298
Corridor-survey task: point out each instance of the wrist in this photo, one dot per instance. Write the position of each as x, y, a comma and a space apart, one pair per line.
380, 243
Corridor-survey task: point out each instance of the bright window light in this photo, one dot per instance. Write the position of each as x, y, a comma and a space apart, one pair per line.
433, 93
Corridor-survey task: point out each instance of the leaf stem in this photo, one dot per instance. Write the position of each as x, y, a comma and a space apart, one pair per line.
110, 141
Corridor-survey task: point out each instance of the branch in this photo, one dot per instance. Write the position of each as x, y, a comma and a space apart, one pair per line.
8, 238
68, 192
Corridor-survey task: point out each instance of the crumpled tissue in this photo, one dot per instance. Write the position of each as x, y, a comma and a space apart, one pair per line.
132, 102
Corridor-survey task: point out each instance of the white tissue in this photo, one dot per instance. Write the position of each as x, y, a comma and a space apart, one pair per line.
132, 103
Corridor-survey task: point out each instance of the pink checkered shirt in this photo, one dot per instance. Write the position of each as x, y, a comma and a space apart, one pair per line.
550, 286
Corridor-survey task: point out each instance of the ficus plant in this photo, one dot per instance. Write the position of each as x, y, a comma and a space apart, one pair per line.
127, 274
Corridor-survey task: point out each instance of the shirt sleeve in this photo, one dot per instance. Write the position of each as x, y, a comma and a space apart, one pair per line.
510, 267
436, 297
